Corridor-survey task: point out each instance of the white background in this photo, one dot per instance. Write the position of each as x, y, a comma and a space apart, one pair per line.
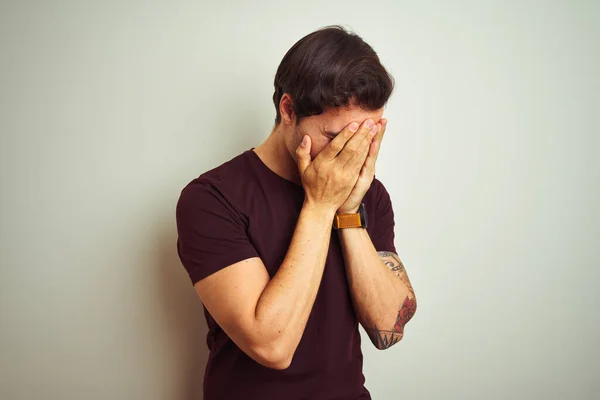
107, 109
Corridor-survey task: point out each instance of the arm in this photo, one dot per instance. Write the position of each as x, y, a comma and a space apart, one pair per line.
382, 295
267, 317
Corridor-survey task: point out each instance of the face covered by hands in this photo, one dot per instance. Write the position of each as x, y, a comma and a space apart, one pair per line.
330, 134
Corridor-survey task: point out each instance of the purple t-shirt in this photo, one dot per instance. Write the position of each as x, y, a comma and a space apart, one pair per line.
242, 209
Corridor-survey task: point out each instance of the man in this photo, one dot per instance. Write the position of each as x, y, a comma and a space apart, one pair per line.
277, 243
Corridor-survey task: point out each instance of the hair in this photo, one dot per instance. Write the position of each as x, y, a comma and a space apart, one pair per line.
329, 68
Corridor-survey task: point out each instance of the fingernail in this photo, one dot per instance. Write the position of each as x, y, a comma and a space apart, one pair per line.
369, 123
303, 141
353, 127
373, 130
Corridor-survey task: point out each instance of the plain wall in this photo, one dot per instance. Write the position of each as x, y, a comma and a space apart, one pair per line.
108, 108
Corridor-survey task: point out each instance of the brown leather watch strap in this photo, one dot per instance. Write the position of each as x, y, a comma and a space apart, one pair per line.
347, 221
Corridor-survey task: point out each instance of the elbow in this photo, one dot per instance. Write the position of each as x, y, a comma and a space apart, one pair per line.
384, 339
384, 342
273, 355
278, 364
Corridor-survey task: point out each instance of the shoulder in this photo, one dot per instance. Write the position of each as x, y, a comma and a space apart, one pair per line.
218, 186
228, 172
219, 179
377, 193
378, 186
377, 201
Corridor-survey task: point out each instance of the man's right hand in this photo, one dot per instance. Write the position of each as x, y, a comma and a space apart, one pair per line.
331, 176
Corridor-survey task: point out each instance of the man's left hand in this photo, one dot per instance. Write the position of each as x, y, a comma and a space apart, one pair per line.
367, 173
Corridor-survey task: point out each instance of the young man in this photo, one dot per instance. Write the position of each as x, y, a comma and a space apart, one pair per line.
277, 243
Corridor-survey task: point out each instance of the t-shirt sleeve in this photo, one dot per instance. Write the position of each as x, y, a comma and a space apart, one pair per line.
211, 233
383, 232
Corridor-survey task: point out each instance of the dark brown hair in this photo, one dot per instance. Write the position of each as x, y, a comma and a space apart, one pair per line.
331, 68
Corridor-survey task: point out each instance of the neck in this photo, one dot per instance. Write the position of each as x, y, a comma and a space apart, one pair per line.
275, 155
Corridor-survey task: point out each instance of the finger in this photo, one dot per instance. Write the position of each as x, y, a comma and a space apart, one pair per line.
369, 165
303, 154
375, 146
381, 133
337, 144
364, 151
356, 149
365, 178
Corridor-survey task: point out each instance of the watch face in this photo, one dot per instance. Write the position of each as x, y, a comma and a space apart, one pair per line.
363, 215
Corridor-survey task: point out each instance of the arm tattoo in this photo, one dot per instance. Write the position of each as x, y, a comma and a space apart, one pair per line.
383, 339
395, 265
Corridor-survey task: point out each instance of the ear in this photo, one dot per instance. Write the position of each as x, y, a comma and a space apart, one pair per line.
286, 109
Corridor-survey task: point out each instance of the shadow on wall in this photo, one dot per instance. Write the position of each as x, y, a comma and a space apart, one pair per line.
184, 317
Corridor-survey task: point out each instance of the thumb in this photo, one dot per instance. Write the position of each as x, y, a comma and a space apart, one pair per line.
303, 154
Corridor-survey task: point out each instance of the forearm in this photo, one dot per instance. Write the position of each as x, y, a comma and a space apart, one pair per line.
328, 181
382, 297
285, 305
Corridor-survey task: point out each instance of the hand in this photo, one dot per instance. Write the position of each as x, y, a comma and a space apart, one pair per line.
330, 178
367, 174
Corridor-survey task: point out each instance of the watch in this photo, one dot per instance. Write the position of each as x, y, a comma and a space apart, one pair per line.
356, 220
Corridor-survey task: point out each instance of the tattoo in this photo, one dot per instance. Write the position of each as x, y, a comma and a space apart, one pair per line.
383, 339
395, 265
408, 309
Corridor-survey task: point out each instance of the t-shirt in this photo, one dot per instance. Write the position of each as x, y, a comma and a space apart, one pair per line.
243, 209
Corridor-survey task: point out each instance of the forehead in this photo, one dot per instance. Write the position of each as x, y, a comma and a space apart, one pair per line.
336, 119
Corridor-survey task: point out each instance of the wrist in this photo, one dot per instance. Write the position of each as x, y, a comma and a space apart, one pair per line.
347, 210
354, 219
319, 211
